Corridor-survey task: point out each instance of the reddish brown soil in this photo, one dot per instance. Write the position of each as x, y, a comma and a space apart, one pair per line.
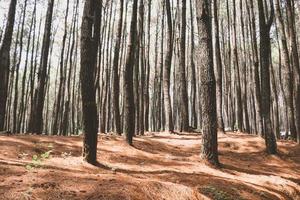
160, 166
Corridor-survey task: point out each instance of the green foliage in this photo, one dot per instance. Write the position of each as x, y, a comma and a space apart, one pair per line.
218, 194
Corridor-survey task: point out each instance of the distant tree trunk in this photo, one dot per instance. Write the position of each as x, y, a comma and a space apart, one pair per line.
147, 98
166, 72
16, 129
183, 95
276, 106
89, 50
37, 115
5, 61
141, 64
24, 101
209, 149
193, 71
218, 66
265, 55
116, 90
295, 58
257, 95
129, 110
237, 77
59, 102
287, 71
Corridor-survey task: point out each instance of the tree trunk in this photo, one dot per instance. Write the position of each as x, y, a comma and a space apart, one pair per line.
129, 110
5, 61
286, 71
37, 115
116, 90
265, 55
167, 69
209, 149
218, 66
89, 49
183, 95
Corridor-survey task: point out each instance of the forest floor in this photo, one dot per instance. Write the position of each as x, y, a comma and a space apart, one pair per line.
160, 166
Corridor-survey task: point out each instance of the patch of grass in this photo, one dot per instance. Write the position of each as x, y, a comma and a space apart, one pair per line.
217, 194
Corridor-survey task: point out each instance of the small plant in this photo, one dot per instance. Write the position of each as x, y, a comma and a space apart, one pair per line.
37, 160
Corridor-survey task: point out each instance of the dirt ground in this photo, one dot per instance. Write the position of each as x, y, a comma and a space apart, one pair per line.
160, 166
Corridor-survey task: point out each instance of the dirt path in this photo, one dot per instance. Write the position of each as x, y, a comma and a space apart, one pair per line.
160, 166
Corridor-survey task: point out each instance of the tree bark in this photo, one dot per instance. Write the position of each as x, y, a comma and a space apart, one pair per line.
209, 149
89, 50
183, 95
167, 69
265, 55
116, 88
5, 61
129, 110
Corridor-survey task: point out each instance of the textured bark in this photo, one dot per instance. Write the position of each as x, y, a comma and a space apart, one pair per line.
218, 67
209, 149
89, 49
265, 55
141, 66
183, 95
193, 71
5, 61
167, 69
129, 111
116, 87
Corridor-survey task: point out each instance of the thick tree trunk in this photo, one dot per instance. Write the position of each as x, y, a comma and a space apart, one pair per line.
265, 55
89, 50
129, 111
209, 149
5, 61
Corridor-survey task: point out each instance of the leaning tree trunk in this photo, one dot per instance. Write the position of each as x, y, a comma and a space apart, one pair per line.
5, 60
209, 149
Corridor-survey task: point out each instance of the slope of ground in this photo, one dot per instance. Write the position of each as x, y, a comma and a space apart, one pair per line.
160, 166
